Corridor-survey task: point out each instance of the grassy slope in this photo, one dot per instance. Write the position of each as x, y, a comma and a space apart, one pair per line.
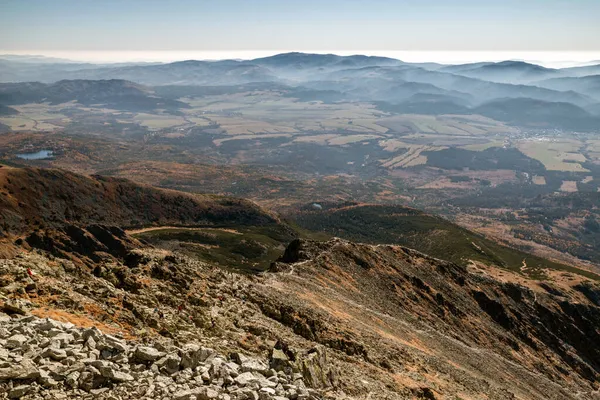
247, 248
429, 234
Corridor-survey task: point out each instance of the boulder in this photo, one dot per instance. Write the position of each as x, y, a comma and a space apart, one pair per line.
190, 356
25, 369
72, 379
116, 376
48, 324
169, 364
14, 307
4, 333
63, 338
279, 360
253, 365
316, 369
201, 393
19, 391
145, 354
16, 341
244, 378
55, 354
113, 343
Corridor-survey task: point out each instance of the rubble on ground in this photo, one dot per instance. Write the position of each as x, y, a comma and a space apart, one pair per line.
41, 358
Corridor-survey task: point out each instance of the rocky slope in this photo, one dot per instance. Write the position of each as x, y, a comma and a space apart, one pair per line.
457, 330
43, 358
179, 327
356, 321
332, 319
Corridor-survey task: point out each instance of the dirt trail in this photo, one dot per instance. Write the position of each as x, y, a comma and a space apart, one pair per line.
187, 228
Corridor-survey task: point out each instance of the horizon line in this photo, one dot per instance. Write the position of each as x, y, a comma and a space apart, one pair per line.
555, 59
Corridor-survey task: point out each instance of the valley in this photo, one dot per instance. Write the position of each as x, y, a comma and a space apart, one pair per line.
301, 226
284, 152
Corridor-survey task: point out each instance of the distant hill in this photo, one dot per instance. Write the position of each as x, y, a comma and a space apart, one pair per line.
594, 109
581, 71
6, 110
426, 104
458, 68
516, 72
320, 60
516, 92
35, 59
113, 93
588, 85
531, 112
300, 65
480, 91
190, 72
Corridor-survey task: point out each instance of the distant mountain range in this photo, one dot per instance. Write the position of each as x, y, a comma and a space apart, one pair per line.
512, 91
115, 93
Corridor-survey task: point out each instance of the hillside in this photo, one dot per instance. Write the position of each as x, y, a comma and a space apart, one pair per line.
440, 238
5, 110
113, 93
588, 85
333, 319
32, 197
505, 71
530, 112
408, 315
82, 218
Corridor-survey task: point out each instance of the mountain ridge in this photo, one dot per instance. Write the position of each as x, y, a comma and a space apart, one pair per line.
360, 320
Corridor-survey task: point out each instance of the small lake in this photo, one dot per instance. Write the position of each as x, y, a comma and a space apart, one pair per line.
40, 155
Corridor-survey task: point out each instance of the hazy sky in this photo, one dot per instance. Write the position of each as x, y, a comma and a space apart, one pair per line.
230, 26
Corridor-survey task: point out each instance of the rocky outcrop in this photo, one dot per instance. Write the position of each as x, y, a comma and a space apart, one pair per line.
93, 243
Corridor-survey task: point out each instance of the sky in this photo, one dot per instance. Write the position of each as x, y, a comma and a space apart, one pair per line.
126, 30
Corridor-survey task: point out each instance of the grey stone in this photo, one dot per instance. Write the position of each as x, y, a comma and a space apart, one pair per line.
15, 307
63, 338
244, 378
114, 343
169, 363
144, 353
279, 360
19, 391
48, 324
201, 393
72, 379
15, 341
266, 393
55, 354
4, 333
253, 365
191, 356
25, 369
116, 376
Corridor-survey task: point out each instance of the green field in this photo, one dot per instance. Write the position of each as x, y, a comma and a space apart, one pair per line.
248, 249
557, 155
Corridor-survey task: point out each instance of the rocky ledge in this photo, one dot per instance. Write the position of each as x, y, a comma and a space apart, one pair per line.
47, 359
